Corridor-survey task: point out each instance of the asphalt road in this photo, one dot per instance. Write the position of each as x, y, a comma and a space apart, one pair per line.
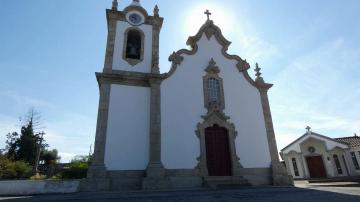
302, 192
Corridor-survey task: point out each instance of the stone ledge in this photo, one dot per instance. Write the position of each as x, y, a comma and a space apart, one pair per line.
31, 187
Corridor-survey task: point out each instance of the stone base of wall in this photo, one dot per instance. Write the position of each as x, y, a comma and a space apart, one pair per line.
31, 187
173, 179
257, 176
280, 175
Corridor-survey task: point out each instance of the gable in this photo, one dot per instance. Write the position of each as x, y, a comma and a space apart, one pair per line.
329, 143
210, 37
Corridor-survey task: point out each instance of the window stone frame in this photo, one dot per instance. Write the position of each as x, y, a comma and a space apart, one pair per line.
133, 62
212, 71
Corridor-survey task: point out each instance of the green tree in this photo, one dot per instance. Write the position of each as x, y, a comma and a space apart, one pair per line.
50, 157
24, 146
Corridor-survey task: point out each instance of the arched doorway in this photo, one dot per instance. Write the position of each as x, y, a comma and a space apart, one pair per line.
217, 151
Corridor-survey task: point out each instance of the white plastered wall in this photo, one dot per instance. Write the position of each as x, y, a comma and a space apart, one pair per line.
182, 105
127, 139
300, 164
350, 162
118, 62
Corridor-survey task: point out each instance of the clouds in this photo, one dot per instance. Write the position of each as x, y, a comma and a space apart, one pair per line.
320, 89
69, 132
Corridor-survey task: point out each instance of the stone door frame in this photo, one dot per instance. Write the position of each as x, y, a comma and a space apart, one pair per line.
217, 118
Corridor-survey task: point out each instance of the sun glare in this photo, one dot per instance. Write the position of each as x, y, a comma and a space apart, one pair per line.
220, 15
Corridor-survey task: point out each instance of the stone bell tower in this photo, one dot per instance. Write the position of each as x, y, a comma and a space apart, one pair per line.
127, 141
133, 39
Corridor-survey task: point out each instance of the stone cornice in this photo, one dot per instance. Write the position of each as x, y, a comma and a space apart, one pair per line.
262, 86
127, 78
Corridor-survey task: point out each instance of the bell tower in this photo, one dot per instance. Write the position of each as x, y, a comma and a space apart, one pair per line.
129, 103
133, 39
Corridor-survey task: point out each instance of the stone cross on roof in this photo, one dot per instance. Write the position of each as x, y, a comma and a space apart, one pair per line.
207, 13
308, 128
114, 5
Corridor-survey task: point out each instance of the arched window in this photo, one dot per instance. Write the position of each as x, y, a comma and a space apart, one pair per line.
133, 45
214, 98
337, 164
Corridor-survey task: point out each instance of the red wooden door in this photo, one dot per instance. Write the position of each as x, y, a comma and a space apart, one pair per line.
217, 151
316, 167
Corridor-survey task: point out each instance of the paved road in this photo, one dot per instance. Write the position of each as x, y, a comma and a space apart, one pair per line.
303, 192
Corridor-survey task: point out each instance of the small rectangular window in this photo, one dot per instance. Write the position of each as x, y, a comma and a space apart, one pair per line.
296, 171
356, 163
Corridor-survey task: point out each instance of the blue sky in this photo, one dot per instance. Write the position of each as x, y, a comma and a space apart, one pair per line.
310, 50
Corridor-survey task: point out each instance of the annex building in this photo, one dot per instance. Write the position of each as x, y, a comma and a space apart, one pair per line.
317, 156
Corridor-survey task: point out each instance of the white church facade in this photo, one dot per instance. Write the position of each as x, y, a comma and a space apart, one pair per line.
206, 122
317, 156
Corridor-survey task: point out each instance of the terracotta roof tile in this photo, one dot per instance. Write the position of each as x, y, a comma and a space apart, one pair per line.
353, 141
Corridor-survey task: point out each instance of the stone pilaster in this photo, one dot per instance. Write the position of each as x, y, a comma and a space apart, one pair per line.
155, 172
155, 167
97, 168
97, 174
279, 173
157, 22
109, 54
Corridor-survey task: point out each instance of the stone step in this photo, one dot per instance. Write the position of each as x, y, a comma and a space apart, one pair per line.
225, 182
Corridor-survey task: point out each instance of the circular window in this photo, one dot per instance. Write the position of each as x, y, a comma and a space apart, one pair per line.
311, 149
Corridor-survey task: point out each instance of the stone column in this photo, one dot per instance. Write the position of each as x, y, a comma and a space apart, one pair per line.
280, 175
97, 168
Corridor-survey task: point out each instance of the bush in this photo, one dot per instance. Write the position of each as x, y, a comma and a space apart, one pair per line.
10, 170
76, 170
38, 177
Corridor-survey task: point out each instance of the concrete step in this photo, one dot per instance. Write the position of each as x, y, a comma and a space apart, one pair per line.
336, 179
225, 182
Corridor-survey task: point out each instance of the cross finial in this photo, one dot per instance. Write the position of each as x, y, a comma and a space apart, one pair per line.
114, 5
308, 128
257, 70
156, 11
258, 73
207, 13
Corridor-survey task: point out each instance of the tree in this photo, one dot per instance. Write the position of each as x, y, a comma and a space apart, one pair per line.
24, 146
50, 157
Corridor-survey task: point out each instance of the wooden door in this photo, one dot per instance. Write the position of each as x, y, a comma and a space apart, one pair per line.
217, 151
316, 167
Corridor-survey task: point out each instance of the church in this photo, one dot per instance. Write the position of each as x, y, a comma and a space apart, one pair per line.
205, 123
313, 155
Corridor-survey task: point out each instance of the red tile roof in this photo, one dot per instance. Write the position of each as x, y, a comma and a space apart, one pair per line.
353, 141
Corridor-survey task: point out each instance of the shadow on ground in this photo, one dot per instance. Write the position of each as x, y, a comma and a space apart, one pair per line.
243, 194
